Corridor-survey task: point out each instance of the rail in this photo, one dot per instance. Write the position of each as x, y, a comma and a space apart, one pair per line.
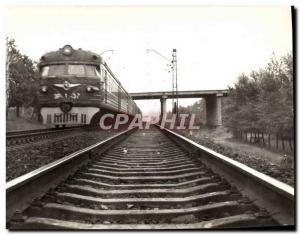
21, 191
18, 134
265, 191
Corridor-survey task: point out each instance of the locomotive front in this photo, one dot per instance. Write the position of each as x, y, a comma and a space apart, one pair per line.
70, 86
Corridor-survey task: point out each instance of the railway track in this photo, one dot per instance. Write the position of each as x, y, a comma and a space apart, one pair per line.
22, 137
147, 179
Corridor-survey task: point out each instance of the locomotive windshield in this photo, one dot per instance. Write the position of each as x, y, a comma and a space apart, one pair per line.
75, 70
70, 70
53, 70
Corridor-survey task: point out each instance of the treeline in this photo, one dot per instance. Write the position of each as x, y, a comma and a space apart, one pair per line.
21, 78
198, 109
260, 105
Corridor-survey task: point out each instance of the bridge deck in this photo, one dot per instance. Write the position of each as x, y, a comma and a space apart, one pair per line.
181, 94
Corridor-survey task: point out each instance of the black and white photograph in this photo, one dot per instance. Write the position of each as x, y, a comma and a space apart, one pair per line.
150, 117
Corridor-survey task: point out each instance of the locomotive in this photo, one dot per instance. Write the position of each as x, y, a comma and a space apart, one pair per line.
77, 87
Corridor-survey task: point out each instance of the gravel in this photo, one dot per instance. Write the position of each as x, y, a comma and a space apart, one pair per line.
21, 159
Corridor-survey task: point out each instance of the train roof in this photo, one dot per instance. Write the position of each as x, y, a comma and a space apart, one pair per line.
67, 53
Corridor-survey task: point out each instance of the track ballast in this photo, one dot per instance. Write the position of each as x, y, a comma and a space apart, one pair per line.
144, 182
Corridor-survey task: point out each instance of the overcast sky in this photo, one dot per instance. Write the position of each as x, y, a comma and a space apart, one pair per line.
214, 44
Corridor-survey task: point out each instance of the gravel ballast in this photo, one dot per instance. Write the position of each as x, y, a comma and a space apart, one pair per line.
21, 159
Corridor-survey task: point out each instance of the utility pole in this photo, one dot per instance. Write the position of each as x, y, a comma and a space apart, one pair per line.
174, 82
174, 78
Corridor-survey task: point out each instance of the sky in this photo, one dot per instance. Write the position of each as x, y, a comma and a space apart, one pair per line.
214, 44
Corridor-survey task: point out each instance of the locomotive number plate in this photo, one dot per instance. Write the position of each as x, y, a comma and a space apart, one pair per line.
74, 96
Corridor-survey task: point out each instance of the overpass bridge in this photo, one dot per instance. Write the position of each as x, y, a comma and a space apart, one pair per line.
213, 100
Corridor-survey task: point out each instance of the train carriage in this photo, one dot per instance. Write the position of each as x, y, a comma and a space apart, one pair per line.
77, 87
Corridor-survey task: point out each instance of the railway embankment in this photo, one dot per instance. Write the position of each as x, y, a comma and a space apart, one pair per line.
275, 164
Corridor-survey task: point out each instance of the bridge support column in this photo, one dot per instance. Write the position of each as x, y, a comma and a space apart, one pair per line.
214, 110
163, 105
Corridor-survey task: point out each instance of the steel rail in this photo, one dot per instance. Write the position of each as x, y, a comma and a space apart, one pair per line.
18, 134
266, 192
21, 191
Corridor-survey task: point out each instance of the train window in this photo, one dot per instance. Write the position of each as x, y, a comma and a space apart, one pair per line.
76, 70
115, 87
45, 71
91, 71
53, 70
98, 71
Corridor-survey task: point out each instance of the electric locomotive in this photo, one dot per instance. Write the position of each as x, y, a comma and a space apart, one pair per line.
77, 88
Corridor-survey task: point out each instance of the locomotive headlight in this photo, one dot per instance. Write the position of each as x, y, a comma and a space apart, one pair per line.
44, 89
67, 50
92, 88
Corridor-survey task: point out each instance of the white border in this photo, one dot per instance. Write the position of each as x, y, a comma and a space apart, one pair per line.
4, 3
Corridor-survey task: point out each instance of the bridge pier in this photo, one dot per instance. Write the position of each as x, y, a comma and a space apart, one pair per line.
163, 105
213, 100
214, 110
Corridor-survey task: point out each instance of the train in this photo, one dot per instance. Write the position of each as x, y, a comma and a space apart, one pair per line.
77, 87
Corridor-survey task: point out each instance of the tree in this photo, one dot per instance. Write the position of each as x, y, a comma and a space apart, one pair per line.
263, 101
196, 108
240, 109
21, 78
12, 57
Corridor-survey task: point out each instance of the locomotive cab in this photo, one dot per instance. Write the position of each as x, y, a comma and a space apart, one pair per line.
77, 87
70, 87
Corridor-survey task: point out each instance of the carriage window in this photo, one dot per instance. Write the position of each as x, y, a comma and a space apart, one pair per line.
76, 70
91, 71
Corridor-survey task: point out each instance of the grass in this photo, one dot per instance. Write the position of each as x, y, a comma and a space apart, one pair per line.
221, 136
14, 123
